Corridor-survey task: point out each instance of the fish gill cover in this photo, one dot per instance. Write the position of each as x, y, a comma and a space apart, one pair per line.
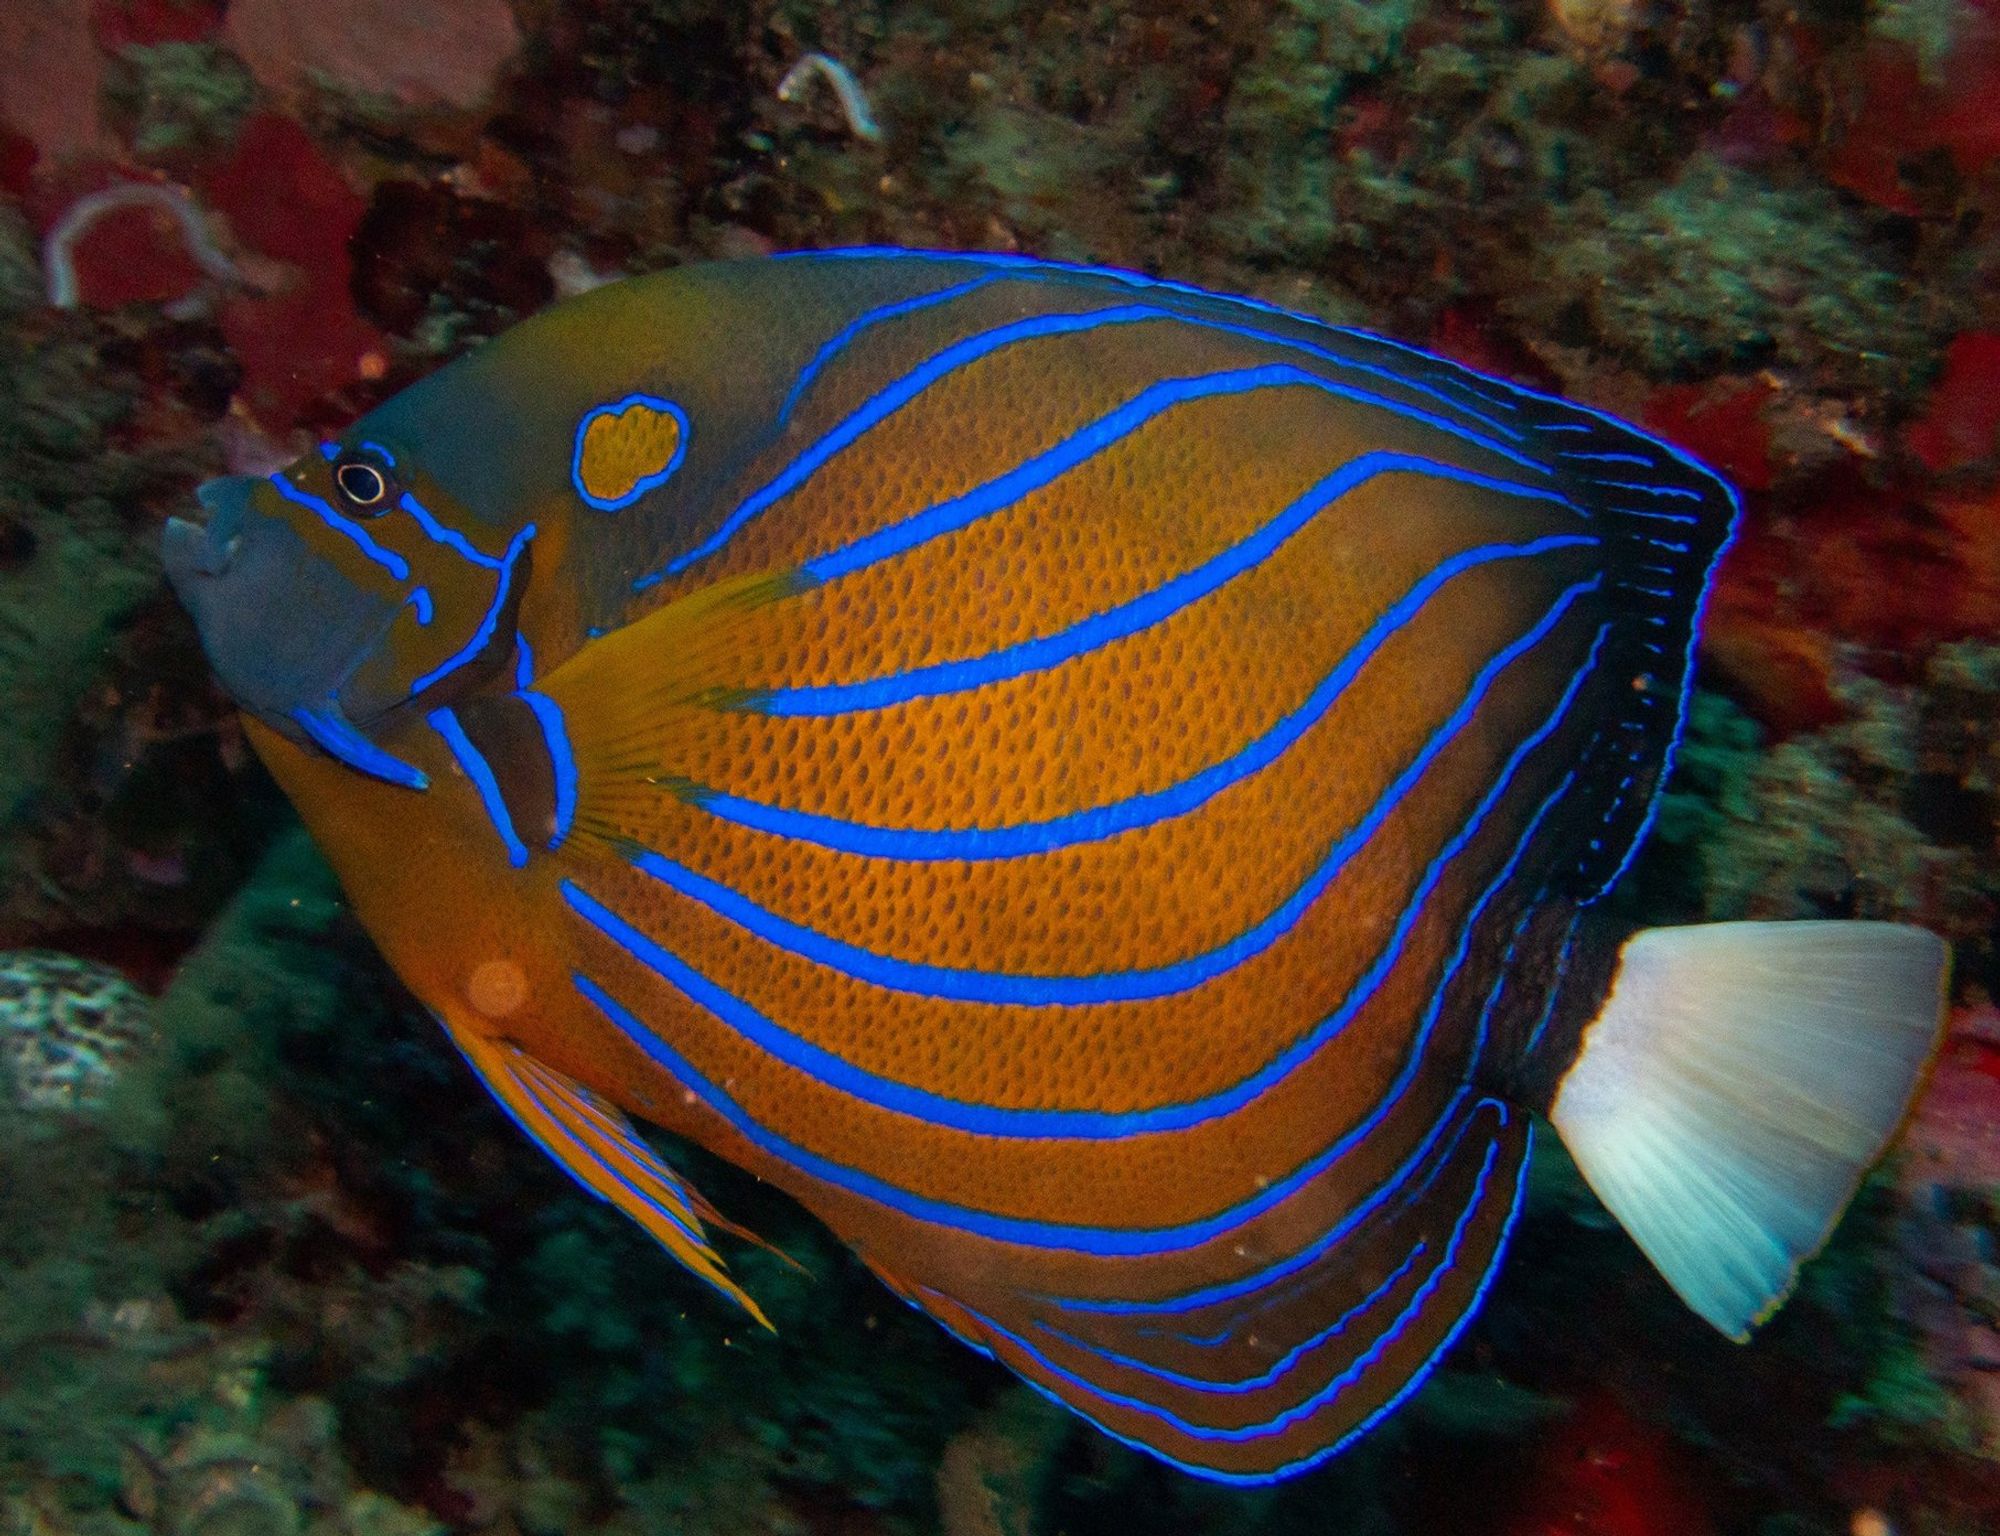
286, 1270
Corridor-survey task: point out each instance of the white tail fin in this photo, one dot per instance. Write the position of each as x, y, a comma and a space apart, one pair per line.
1736, 1085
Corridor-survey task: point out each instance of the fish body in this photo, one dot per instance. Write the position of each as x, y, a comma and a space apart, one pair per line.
1096, 788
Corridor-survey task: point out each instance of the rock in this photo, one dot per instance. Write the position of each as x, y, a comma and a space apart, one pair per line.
415, 53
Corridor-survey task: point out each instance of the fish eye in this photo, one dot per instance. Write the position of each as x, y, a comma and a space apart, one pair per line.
364, 483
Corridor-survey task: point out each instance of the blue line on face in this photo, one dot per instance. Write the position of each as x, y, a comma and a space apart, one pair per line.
347, 527
999, 987
524, 662
450, 538
918, 844
562, 761
645, 483
341, 741
1156, 606
893, 397
420, 599
480, 772
1087, 442
482, 636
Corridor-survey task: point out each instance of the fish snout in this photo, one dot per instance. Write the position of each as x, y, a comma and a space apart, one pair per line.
285, 629
193, 550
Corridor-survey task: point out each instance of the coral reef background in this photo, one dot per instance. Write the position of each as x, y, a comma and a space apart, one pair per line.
270, 1261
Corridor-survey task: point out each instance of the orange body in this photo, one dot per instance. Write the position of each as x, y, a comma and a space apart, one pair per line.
1082, 784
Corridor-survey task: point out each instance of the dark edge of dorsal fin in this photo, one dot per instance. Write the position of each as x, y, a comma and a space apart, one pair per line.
1666, 520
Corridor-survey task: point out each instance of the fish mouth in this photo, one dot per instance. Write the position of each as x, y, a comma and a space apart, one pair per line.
284, 630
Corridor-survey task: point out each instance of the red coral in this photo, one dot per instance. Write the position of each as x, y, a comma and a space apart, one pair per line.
1604, 1473
1722, 423
284, 198
287, 201
1869, 565
1961, 423
1906, 112
1778, 667
124, 23
17, 161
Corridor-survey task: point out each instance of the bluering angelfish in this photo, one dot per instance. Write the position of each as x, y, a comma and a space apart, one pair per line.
1096, 788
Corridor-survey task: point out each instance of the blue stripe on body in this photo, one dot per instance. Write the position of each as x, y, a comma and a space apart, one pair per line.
918, 844
1355, 1371
1281, 1368
981, 1119
1643, 460
347, 527
1088, 441
1555, 984
1685, 519
1265, 1279
867, 320
1652, 809
562, 760
480, 772
1069, 1237
331, 733
420, 599
503, 583
450, 538
1456, 375
1403, 1395
1127, 1242
963, 984
524, 663
893, 397
1673, 492
1162, 603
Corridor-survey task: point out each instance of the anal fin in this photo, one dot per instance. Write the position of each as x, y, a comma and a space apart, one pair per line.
598, 1147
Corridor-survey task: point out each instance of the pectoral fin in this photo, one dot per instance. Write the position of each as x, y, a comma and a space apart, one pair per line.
630, 700
598, 1147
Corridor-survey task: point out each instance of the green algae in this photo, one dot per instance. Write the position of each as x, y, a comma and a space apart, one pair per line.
1884, 814
1283, 184
181, 95
1719, 269
77, 563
